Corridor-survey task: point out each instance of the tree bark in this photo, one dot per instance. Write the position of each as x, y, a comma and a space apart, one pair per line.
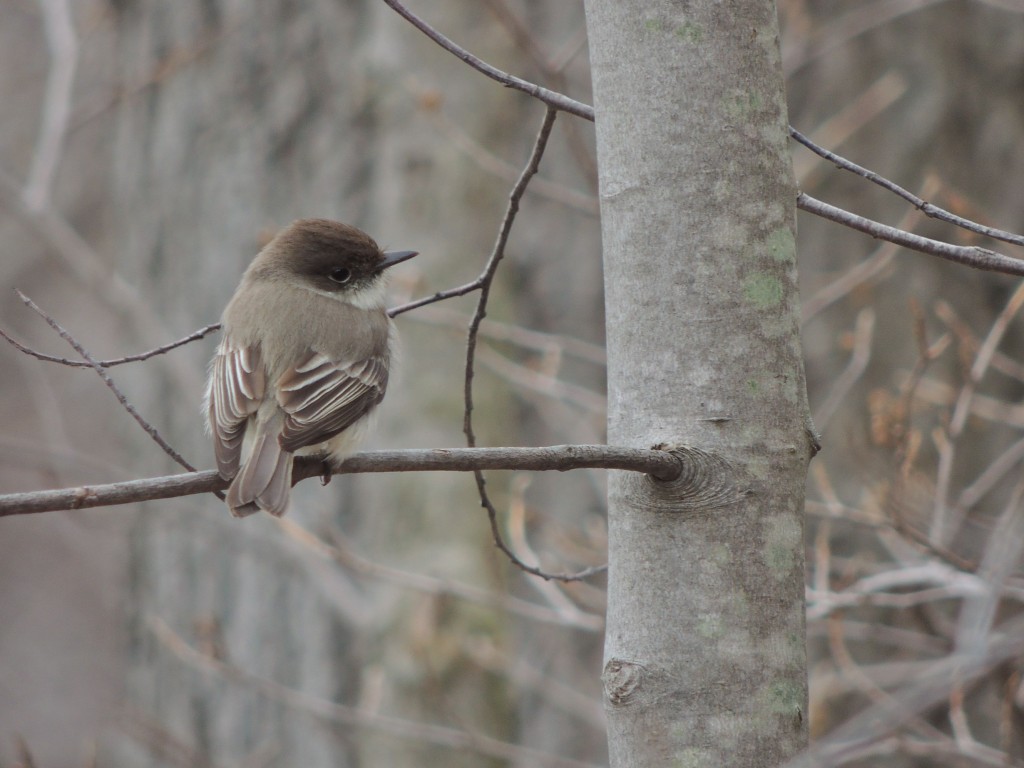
704, 654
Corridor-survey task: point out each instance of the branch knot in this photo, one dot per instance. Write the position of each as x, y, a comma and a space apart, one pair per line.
706, 481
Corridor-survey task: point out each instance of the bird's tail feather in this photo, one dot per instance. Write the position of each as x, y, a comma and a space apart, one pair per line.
265, 481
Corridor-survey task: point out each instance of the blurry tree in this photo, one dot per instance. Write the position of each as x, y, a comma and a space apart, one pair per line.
148, 147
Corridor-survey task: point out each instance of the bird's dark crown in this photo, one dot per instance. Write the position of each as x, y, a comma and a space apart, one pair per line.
330, 255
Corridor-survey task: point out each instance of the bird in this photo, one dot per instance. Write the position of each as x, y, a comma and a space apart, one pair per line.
303, 361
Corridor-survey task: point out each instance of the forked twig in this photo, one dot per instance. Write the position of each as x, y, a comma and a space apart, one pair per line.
485, 280
149, 428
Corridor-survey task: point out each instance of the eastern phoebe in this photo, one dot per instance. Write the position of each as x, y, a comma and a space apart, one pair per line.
303, 360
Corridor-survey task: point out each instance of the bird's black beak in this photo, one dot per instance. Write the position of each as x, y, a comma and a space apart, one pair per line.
395, 257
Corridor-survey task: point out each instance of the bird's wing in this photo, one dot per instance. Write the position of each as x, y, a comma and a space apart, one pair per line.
323, 397
237, 387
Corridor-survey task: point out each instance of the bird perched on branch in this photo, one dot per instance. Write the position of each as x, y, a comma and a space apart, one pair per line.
303, 361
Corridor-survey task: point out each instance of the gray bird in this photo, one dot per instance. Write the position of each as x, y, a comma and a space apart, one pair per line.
304, 359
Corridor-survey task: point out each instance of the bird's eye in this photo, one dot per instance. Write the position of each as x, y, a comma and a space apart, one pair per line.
341, 275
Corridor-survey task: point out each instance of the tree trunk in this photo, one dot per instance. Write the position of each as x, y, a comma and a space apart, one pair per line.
704, 654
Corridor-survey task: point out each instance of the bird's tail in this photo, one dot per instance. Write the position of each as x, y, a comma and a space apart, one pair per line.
265, 480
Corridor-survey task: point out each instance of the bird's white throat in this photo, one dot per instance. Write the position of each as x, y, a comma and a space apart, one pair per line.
368, 297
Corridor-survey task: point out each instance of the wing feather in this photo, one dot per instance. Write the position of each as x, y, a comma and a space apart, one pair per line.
322, 397
237, 387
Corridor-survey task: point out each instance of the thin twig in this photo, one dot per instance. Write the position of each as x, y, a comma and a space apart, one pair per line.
554, 100
932, 211
560, 458
970, 256
194, 336
149, 428
949, 584
486, 279
497, 253
450, 293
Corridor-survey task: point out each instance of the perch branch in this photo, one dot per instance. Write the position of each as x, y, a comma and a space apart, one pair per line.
659, 464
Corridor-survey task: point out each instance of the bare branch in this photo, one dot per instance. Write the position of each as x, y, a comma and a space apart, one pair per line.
486, 279
194, 336
149, 428
970, 256
554, 100
933, 211
483, 284
450, 293
662, 465
945, 583
497, 254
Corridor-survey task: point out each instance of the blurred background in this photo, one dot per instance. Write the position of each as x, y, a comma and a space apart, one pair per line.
148, 150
